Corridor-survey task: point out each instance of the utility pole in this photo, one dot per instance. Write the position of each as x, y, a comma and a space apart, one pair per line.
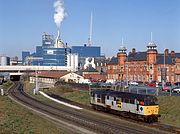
164, 71
36, 90
127, 71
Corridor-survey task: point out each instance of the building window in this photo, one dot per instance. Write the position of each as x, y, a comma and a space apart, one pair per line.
172, 68
135, 77
114, 67
159, 69
167, 69
145, 65
178, 67
139, 77
150, 66
150, 78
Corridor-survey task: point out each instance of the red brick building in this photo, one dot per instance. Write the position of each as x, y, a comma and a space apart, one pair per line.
145, 66
93, 74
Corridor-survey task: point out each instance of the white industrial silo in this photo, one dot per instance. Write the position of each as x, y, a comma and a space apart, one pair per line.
72, 61
76, 62
5, 61
68, 60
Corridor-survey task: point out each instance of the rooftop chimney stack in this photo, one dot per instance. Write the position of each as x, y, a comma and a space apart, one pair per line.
172, 53
133, 50
57, 40
166, 52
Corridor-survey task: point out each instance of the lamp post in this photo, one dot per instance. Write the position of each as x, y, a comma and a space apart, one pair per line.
164, 71
127, 71
37, 86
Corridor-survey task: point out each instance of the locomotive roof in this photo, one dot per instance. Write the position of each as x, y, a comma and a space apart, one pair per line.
124, 94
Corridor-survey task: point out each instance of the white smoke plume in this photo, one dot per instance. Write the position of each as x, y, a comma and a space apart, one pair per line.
59, 12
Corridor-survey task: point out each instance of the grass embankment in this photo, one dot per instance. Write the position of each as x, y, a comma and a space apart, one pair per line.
19, 120
170, 110
7, 85
169, 105
70, 93
28, 87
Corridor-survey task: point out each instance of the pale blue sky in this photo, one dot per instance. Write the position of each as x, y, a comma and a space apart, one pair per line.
22, 23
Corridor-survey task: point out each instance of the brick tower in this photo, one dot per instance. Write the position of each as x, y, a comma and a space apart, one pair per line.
121, 62
151, 60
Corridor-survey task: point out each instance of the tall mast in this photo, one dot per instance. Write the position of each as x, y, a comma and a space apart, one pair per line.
151, 37
122, 41
90, 31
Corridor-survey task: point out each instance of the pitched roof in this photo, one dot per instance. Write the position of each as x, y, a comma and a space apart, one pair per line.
168, 59
90, 69
95, 76
142, 56
96, 60
137, 56
51, 74
113, 60
177, 55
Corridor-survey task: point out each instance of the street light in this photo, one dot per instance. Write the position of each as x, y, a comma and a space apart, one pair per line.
127, 71
36, 90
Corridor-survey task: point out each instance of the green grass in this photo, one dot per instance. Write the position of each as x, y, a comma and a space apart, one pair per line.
17, 119
7, 85
70, 93
170, 110
28, 87
78, 96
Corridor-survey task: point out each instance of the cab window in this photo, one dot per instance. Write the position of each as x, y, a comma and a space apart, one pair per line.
151, 102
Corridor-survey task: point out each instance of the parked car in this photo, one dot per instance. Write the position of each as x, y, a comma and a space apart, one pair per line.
168, 83
140, 82
177, 84
133, 83
166, 88
152, 84
176, 89
102, 84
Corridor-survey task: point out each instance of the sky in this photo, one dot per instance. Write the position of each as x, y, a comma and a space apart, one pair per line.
22, 23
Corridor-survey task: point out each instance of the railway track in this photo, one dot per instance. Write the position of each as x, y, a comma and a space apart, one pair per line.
79, 118
157, 125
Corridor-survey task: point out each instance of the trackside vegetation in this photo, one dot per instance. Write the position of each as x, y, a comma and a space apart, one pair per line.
170, 110
169, 105
15, 119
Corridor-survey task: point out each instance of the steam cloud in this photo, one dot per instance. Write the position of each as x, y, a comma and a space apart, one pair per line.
59, 12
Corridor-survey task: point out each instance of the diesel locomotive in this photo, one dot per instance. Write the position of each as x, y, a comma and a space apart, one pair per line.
130, 105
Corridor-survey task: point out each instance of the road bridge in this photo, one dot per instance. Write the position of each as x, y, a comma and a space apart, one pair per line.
15, 72
34, 68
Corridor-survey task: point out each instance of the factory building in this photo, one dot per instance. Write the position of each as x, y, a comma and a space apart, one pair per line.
24, 55
55, 56
53, 52
85, 52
